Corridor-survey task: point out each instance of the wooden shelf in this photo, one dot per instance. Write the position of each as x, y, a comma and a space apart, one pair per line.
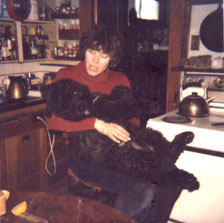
60, 62
200, 70
69, 34
65, 58
62, 16
26, 21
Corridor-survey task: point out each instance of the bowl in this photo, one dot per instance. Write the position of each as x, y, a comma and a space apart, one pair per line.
194, 106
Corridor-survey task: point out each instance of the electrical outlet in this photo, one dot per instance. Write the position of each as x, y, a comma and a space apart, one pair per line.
195, 40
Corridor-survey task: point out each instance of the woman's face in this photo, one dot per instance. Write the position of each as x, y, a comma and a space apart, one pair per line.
96, 62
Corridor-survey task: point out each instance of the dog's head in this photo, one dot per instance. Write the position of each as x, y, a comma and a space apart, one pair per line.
68, 99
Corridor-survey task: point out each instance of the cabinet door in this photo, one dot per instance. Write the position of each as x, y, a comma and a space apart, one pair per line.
25, 156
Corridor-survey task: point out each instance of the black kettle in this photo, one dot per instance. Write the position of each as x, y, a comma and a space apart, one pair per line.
194, 106
17, 89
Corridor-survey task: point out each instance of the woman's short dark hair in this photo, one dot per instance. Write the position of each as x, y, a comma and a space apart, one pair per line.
102, 38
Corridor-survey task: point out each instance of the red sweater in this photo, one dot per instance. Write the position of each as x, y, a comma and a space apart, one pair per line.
103, 83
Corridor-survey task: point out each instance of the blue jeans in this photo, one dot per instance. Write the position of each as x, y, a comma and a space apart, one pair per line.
147, 203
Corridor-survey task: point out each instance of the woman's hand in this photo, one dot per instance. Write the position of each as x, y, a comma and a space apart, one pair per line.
114, 131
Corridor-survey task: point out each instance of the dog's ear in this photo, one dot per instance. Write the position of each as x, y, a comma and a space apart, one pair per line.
123, 94
119, 106
125, 102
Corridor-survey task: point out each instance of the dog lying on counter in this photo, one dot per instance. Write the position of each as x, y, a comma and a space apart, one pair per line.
147, 156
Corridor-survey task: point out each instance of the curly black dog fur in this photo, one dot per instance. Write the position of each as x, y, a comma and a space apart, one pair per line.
67, 99
147, 156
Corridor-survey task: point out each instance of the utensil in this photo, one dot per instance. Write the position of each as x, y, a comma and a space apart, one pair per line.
18, 9
211, 30
194, 105
20, 211
217, 123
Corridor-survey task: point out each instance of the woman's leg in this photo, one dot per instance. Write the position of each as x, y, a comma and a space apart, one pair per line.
145, 202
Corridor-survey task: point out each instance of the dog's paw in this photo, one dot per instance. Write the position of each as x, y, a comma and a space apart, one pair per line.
188, 181
180, 178
183, 138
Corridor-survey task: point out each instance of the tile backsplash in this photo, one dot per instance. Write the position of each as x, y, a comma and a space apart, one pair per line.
21, 69
15, 68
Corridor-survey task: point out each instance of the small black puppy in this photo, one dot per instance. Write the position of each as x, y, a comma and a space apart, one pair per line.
147, 156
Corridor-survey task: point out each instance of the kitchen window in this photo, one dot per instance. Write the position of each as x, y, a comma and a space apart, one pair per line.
147, 9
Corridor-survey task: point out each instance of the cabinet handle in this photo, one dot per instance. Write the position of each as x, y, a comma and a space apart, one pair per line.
25, 138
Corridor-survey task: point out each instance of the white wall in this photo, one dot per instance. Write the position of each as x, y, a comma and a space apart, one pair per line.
198, 13
57, 3
21, 69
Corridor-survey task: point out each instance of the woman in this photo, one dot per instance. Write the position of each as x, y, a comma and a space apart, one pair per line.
99, 51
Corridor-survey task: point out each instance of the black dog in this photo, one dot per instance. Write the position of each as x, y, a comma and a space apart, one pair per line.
67, 99
148, 156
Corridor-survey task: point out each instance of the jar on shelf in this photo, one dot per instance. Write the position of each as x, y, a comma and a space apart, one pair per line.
60, 52
72, 25
32, 31
24, 30
65, 50
43, 13
48, 53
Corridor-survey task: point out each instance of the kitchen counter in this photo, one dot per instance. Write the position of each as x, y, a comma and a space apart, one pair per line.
6, 106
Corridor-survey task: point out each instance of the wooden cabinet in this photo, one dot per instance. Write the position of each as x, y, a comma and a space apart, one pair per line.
24, 148
24, 32
24, 154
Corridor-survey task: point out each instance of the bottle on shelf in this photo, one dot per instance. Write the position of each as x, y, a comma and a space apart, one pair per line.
39, 31
65, 49
48, 53
26, 48
2, 50
65, 7
33, 49
43, 13
7, 44
14, 49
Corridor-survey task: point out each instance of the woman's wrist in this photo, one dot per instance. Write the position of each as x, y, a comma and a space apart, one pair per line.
99, 125
114, 131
